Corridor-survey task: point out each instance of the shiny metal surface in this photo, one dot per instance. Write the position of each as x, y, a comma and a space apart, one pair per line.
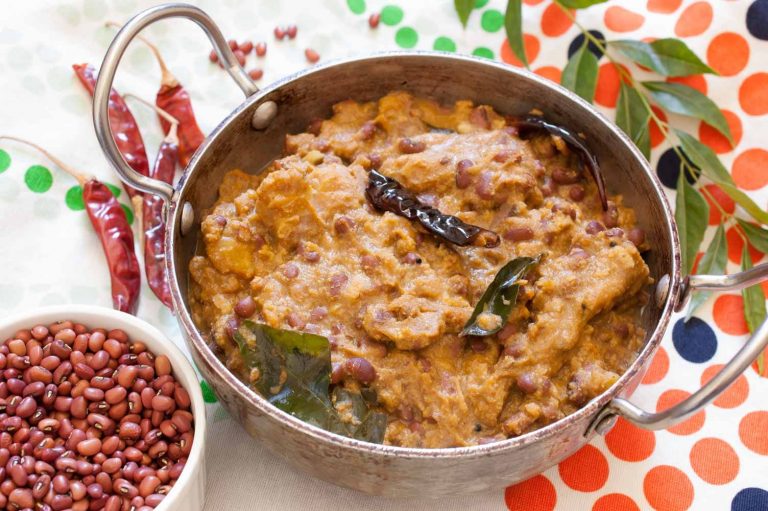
300, 98
107, 76
727, 375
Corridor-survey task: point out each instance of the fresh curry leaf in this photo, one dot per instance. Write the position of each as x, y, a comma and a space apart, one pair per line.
463, 9
499, 298
580, 74
712, 263
754, 298
292, 371
668, 57
684, 100
579, 4
691, 215
632, 117
706, 159
513, 24
757, 236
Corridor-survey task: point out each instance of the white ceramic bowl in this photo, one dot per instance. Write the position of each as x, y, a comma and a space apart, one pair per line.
188, 494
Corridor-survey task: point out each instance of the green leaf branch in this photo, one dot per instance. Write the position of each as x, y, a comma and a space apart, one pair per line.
667, 57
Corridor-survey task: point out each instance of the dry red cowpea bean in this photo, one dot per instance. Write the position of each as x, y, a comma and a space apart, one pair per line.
311, 55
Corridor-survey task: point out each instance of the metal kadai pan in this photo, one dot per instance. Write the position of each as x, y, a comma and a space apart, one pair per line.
252, 136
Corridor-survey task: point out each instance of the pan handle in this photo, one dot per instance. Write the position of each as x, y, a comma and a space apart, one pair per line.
709, 392
107, 76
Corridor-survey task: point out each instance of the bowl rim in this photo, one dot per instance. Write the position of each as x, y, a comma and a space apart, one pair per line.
586, 413
161, 344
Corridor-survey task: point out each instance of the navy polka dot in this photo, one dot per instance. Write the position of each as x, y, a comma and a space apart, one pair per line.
750, 499
757, 19
578, 41
668, 169
695, 341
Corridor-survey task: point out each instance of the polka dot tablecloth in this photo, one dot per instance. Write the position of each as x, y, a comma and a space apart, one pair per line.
716, 460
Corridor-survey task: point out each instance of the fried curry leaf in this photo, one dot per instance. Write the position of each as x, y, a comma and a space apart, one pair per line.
684, 100
513, 24
292, 371
632, 117
706, 159
356, 417
463, 9
500, 296
668, 56
712, 263
580, 74
691, 215
754, 298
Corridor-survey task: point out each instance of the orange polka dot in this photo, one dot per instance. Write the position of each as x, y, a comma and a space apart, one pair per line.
549, 72
629, 442
734, 395
664, 6
715, 194
753, 431
668, 489
620, 19
608, 83
534, 494
753, 94
615, 502
672, 397
714, 461
554, 22
716, 140
694, 20
658, 368
531, 50
750, 169
728, 53
532, 2
586, 470
728, 312
733, 238
696, 261
655, 133
698, 82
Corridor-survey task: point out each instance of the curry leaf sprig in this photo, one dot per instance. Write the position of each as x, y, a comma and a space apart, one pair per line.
667, 58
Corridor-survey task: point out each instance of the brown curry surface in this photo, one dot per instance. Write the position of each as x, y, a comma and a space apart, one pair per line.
303, 242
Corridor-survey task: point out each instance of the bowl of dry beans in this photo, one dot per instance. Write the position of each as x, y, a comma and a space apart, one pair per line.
98, 410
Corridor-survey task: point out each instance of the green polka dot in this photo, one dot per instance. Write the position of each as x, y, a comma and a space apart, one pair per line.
128, 213
482, 51
5, 161
116, 191
38, 179
444, 44
391, 15
480, 3
356, 6
74, 198
492, 20
406, 37
208, 395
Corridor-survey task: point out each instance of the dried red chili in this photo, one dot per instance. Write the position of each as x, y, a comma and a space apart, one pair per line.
174, 99
388, 194
153, 220
113, 230
528, 125
124, 127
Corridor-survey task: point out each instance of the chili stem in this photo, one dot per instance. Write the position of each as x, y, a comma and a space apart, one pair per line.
79, 176
172, 136
168, 79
